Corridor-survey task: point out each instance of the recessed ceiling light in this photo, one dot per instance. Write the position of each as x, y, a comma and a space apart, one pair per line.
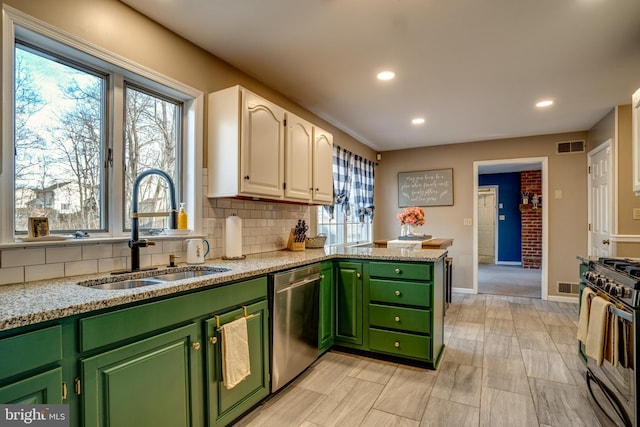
545, 103
417, 121
386, 75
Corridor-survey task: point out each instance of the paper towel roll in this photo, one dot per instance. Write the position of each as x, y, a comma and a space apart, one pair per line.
233, 237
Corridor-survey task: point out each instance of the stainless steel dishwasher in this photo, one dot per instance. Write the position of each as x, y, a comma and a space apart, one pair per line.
294, 298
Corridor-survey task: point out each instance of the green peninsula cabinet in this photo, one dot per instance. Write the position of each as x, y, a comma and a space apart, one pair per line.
349, 298
391, 308
31, 372
326, 323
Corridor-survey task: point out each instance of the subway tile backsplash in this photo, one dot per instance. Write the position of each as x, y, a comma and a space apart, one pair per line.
265, 228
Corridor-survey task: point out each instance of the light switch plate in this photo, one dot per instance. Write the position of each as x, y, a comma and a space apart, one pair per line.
558, 194
636, 213
468, 221
500, 206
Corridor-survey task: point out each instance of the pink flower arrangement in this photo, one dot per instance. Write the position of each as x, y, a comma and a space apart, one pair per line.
412, 216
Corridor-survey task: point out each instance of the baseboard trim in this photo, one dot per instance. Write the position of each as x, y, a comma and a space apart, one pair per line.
558, 298
509, 263
463, 291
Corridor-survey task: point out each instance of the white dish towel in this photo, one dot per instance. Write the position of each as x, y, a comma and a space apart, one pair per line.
235, 352
598, 318
585, 308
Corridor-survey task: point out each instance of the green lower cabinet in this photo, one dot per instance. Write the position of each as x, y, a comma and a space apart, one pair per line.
326, 322
225, 405
400, 344
153, 382
349, 289
37, 389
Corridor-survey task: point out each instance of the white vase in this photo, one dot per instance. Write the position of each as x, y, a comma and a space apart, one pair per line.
413, 230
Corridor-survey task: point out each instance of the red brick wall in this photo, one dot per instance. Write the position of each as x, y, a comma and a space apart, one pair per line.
531, 181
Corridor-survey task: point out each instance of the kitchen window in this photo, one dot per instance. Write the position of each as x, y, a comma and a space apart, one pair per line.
349, 220
84, 124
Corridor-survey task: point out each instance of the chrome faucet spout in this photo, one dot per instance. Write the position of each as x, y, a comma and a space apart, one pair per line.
135, 243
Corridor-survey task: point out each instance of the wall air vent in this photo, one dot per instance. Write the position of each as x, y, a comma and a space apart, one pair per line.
570, 147
568, 288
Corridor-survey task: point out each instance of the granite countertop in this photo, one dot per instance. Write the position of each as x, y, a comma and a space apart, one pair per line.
34, 302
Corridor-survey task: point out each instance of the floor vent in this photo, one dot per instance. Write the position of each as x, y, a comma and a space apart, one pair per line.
570, 147
568, 288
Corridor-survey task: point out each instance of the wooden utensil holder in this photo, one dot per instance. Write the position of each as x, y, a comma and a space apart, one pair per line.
292, 245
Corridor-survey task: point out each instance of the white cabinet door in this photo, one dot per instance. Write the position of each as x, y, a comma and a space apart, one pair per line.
635, 124
298, 153
261, 147
322, 166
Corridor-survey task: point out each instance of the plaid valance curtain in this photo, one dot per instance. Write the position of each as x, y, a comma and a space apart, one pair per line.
352, 184
363, 188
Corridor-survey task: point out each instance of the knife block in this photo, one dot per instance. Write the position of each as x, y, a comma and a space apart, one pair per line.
292, 245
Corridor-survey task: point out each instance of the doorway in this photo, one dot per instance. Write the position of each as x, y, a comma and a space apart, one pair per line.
487, 227
507, 277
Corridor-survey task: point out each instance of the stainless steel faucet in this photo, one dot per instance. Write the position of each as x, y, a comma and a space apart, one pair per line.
136, 243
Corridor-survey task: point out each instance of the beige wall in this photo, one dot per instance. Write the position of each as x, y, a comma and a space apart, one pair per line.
117, 28
567, 216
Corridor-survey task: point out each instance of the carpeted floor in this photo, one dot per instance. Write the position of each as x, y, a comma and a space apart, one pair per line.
509, 280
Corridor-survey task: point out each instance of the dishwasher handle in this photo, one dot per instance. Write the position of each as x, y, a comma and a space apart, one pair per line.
288, 286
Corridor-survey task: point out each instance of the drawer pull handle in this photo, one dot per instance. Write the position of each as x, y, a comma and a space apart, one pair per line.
358, 275
397, 293
196, 345
396, 344
213, 340
397, 319
398, 270
322, 277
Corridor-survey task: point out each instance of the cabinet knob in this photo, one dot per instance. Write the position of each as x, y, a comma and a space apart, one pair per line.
398, 270
358, 275
213, 340
246, 177
398, 293
317, 189
396, 344
196, 345
397, 319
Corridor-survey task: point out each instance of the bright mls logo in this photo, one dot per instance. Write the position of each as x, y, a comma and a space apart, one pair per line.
34, 415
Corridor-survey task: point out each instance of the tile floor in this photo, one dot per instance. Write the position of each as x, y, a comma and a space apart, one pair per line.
509, 361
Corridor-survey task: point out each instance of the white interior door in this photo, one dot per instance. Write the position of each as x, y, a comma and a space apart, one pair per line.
600, 200
486, 226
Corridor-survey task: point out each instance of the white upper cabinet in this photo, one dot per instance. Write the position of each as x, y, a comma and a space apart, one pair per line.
246, 145
635, 129
298, 159
257, 149
322, 166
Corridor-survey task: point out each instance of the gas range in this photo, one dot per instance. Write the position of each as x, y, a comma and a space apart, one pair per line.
617, 277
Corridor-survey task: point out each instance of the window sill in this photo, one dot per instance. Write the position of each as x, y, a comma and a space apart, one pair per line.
92, 240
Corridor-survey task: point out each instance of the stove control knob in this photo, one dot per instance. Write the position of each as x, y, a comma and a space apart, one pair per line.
600, 281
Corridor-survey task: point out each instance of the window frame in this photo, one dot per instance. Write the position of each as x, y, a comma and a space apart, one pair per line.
25, 27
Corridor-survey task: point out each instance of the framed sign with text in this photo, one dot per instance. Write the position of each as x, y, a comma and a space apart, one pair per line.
425, 188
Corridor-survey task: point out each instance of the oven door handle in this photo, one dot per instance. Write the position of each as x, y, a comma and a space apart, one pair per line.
623, 314
613, 400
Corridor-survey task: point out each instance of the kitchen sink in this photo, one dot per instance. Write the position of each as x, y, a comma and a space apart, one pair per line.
158, 277
188, 274
127, 284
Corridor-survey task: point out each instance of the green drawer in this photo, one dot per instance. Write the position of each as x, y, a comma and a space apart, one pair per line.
30, 350
405, 319
398, 292
400, 344
398, 270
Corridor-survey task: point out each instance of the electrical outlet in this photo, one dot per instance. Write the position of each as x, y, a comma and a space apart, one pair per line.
468, 222
211, 226
636, 213
501, 217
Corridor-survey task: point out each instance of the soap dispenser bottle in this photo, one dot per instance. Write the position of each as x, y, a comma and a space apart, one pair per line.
182, 218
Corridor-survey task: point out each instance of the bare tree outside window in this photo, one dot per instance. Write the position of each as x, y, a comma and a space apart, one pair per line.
152, 135
58, 143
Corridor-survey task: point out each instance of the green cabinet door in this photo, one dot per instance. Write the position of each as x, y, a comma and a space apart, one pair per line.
152, 382
224, 405
326, 322
349, 303
37, 389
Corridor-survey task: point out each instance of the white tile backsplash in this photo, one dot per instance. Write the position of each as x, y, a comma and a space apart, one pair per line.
265, 228
43, 271
56, 254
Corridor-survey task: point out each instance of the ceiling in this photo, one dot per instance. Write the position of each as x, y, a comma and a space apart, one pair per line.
472, 69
